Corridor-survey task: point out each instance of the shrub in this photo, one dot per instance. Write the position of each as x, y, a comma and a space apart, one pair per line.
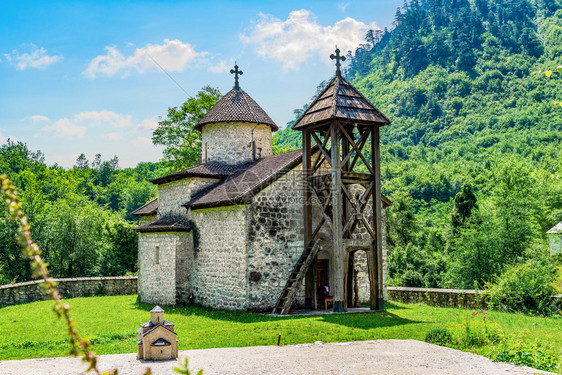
539, 356
439, 336
474, 329
526, 288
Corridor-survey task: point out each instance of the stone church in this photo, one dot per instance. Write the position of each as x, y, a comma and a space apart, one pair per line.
228, 232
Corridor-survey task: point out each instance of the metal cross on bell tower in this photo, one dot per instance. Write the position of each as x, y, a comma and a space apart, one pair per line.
338, 58
236, 73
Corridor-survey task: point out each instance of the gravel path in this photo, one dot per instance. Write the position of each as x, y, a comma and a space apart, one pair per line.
362, 357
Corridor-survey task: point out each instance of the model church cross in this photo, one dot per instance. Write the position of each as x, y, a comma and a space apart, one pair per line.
236, 73
338, 58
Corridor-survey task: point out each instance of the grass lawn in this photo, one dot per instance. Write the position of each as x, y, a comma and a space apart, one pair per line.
32, 330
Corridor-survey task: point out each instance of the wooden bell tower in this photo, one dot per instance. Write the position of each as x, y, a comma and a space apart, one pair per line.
339, 129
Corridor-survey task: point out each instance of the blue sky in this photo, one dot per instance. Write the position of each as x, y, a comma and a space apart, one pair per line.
79, 77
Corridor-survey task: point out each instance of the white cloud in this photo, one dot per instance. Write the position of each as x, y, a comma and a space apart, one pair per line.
114, 119
299, 37
114, 136
35, 58
148, 124
141, 142
343, 6
64, 128
172, 55
37, 118
221, 67
2, 139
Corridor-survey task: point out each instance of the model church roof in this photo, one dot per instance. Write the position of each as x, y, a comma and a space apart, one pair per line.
340, 100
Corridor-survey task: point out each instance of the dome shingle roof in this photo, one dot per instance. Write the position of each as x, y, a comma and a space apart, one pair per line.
236, 106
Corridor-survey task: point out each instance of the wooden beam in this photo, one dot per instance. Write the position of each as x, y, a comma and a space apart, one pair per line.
372, 269
309, 283
350, 279
321, 147
339, 254
361, 144
377, 216
358, 151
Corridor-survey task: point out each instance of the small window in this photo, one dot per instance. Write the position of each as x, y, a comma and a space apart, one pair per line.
157, 255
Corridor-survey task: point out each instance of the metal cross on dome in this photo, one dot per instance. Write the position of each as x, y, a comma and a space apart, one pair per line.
236, 73
337, 57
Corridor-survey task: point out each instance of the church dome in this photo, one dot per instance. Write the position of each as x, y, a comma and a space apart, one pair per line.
237, 106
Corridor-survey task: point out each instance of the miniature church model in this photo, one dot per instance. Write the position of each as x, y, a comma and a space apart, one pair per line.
156, 338
250, 230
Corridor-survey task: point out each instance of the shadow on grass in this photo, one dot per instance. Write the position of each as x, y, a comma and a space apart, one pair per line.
369, 320
366, 320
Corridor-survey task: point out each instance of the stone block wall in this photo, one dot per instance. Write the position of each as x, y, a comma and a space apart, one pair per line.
158, 265
31, 291
555, 241
275, 240
218, 277
173, 194
231, 142
437, 297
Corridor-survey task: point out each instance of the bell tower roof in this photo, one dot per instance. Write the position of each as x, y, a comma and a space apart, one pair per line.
340, 100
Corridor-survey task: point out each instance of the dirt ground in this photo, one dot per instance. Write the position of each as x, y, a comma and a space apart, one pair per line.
363, 357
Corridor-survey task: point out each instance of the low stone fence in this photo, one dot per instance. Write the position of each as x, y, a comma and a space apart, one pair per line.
76, 287
437, 297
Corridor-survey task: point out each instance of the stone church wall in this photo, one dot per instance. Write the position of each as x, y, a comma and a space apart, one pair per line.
218, 277
231, 142
160, 257
275, 240
173, 194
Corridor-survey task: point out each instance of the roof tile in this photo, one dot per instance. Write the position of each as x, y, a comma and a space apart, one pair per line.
166, 224
340, 100
235, 106
147, 209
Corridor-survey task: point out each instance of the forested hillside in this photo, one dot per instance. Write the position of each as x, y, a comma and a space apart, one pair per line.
473, 116
79, 217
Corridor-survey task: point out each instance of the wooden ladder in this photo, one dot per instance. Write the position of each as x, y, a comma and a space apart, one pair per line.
296, 277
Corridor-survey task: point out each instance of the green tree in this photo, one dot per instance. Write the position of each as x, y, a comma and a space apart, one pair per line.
122, 247
463, 204
177, 133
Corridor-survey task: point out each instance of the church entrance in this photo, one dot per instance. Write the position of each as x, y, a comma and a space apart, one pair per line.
322, 278
322, 282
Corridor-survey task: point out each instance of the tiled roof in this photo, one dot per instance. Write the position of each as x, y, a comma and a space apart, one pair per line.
148, 209
166, 224
150, 324
340, 100
156, 327
211, 169
235, 106
239, 186
555, 229
157, 309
